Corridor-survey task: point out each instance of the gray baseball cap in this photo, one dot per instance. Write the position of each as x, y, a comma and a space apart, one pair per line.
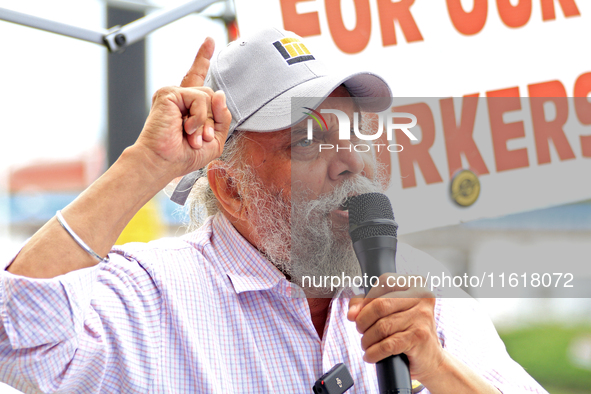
261, 74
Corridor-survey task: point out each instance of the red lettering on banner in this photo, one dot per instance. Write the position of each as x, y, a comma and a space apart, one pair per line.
569, 7
418, 153
544, 131
582, 104
514, 15
304, 25
468, 23
458, 138
499, 102
349, 41
583, 109
389, 12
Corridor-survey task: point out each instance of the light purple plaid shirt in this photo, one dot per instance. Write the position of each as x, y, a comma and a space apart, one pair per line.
204, 313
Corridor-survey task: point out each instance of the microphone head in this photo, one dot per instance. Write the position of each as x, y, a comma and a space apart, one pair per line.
368, 207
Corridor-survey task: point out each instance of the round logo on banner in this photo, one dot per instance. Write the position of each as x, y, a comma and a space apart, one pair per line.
465, 188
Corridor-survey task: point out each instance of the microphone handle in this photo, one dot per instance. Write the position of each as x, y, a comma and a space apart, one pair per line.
393, 375
377, 255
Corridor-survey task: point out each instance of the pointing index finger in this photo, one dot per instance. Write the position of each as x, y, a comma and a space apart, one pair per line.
196, 74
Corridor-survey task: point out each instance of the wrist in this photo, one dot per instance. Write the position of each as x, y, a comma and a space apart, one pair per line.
453, 376
155, 171
442, 367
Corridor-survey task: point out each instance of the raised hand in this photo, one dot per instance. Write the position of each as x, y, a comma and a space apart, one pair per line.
188, 125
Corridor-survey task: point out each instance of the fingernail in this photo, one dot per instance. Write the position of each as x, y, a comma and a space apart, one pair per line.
199, 141
210, 131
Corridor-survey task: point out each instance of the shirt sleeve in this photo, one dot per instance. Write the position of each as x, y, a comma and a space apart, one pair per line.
91, 330
467, 332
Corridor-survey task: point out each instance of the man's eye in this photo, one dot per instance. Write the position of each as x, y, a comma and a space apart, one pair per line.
304, 143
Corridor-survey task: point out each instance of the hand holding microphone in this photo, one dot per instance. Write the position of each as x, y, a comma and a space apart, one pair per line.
397, 323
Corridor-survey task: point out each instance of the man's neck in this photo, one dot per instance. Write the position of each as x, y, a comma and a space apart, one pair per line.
319, 313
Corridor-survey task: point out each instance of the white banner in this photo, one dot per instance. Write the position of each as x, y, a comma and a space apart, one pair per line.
526, 153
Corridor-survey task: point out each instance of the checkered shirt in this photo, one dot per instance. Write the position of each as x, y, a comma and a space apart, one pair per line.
204, 313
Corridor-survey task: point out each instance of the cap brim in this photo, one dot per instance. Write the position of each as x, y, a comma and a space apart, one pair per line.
277, 113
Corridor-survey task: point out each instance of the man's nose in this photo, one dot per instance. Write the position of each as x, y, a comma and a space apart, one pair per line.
346, 161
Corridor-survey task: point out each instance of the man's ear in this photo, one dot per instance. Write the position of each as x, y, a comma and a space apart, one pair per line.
225, 188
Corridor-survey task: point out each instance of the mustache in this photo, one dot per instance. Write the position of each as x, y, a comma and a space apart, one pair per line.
338, 197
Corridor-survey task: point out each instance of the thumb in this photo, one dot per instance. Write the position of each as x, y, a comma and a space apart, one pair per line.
355, 305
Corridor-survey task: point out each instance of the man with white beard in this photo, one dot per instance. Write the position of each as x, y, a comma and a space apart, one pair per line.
218, 310
302, 239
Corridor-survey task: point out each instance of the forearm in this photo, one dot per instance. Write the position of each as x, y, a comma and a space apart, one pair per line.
98, 216
454, 377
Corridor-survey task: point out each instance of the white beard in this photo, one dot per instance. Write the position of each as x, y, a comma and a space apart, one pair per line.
299, 237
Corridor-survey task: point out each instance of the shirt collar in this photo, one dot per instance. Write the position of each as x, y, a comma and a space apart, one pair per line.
246, 267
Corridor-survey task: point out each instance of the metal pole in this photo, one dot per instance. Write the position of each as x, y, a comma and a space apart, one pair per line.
126, 89
36, 22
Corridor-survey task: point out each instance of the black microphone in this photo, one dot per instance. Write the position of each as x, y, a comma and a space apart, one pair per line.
373, 232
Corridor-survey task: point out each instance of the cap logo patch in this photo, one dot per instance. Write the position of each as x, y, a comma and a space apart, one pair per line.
293, 50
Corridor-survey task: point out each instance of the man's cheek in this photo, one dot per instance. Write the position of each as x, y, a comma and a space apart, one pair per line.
370, 164
308, 181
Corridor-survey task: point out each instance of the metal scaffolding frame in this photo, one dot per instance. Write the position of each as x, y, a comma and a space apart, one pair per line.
116, 38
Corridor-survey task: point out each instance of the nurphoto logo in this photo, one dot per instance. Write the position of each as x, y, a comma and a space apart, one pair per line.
385, 122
